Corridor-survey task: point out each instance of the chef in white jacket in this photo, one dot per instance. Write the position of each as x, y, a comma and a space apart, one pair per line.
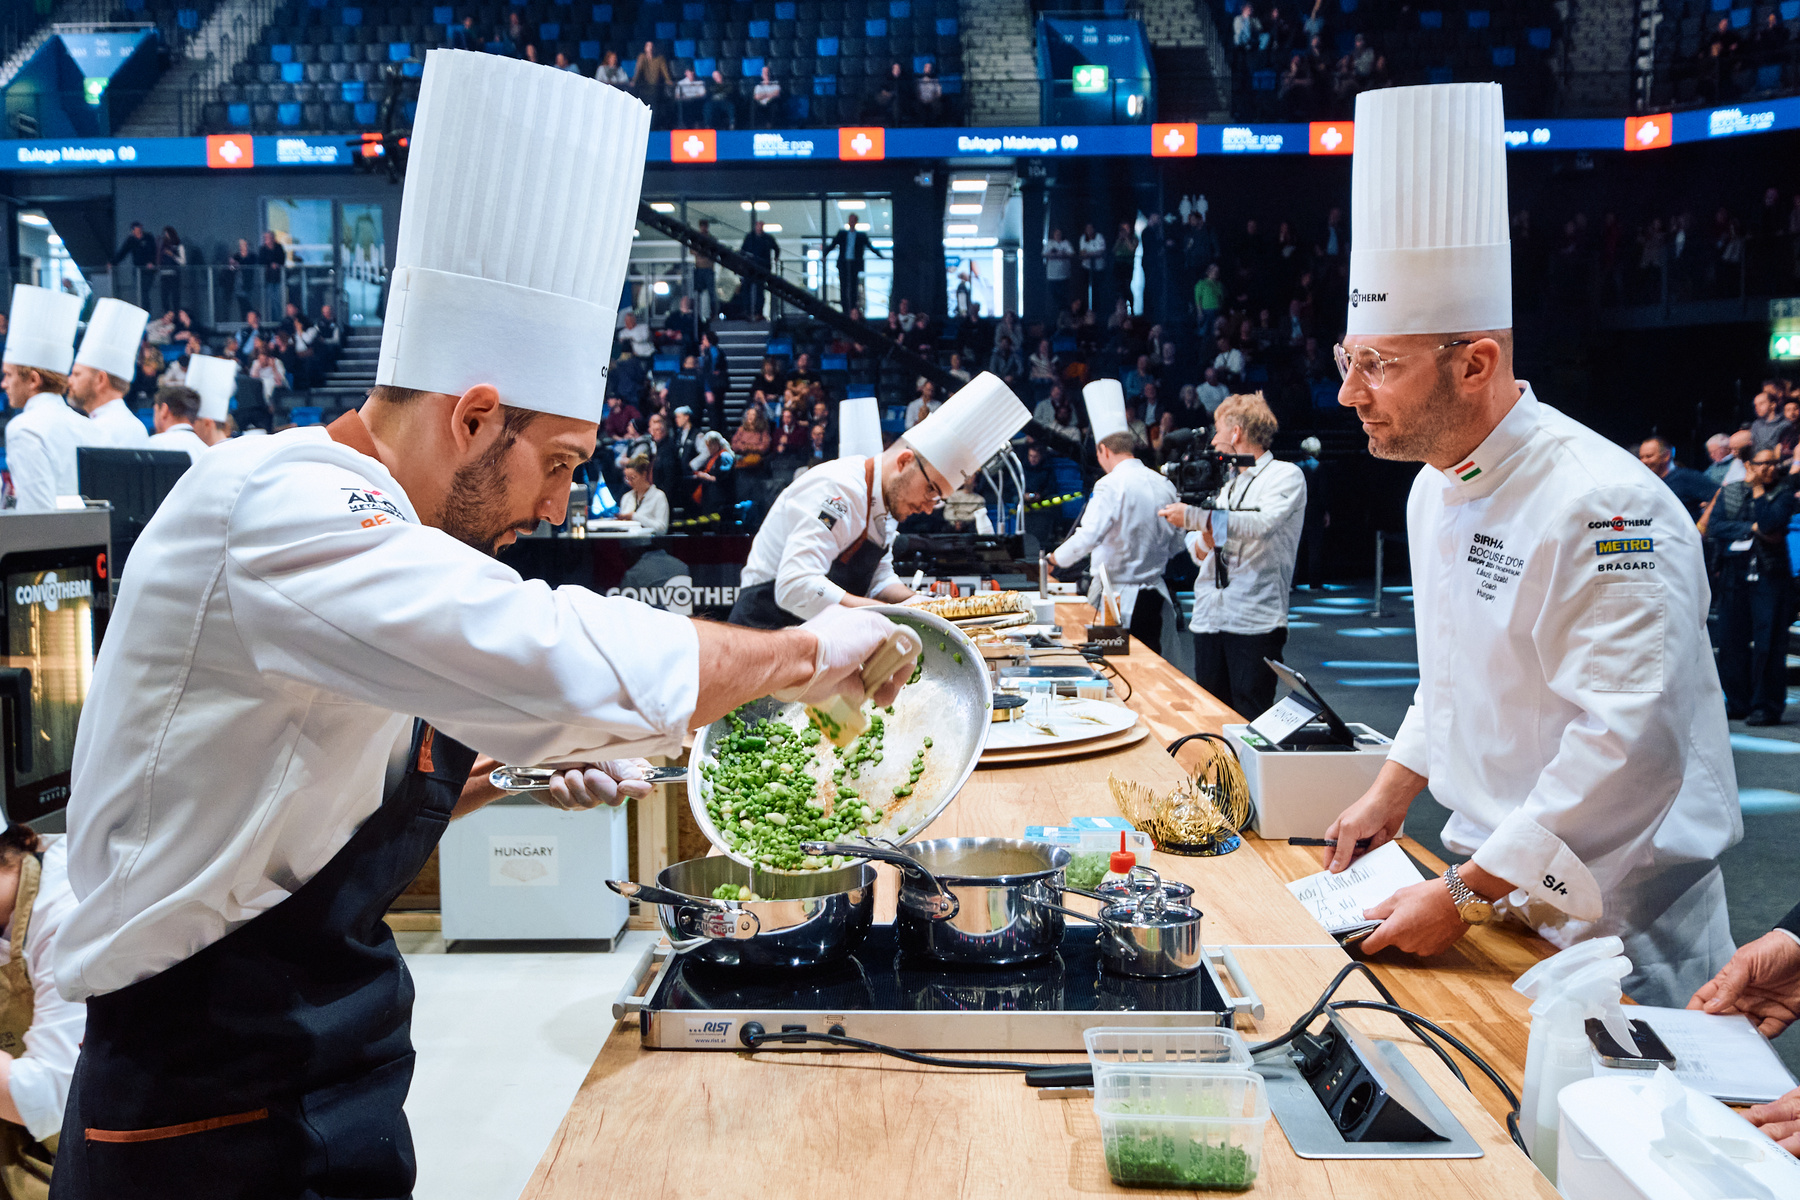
1568, 710
297, 600
173, 414
103, 370
826, 539
42, 438
1119, 527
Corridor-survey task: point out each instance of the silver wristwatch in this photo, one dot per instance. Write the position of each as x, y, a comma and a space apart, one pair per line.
1472, 908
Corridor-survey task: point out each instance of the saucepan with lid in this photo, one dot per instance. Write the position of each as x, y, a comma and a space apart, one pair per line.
1150, 935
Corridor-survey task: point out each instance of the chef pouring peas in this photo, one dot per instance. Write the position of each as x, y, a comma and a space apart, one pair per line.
1568, 711
296, 601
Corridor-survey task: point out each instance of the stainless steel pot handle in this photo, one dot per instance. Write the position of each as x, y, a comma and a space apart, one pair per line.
718, 919
1246, 1000
942, 907
1107, 928
537, 779
634, 996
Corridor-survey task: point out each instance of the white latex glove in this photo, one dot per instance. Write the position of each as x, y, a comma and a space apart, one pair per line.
848, 638
584, 787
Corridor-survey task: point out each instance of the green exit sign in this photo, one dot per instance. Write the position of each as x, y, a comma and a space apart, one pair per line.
1090, 79
1785, 345
93, 87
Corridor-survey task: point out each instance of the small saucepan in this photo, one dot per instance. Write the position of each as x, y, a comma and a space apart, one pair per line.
1149, 936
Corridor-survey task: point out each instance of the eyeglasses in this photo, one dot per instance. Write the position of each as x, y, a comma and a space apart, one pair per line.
937, 496
1373, 366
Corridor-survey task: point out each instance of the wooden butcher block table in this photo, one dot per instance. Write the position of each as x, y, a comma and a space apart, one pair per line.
649, 1124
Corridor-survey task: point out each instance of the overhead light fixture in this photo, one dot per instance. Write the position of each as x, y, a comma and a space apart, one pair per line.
758, 206
971, 243
852, 205
965, 210
882, 243
37, 219
662, 206
660, 287
962, 227
771, 227
56, 239
968, 185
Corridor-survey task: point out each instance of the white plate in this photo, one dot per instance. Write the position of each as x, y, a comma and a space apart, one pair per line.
1072, 720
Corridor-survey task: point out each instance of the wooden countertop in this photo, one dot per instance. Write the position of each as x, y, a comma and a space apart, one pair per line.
671, 1123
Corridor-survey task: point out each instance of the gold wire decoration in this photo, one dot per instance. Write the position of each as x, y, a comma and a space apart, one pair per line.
1200, 816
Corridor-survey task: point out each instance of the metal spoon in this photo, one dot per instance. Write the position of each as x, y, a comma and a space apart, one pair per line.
537, 779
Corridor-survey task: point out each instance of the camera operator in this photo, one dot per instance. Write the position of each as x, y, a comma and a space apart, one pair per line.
1245, 543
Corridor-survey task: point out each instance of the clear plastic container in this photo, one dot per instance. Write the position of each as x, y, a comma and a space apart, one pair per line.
1211, 1047
1177, 1127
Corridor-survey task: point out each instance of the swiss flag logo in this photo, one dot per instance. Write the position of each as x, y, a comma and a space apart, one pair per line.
693, 146
1174, 141
1648, 133
862, 144
230, 150
1331, 137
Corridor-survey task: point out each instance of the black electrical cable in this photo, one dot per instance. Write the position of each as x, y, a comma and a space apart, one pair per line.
1318, 1008
755, 1037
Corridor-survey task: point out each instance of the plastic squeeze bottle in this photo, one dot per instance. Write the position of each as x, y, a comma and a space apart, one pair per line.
1540, 981
1118, 867
1566, 1056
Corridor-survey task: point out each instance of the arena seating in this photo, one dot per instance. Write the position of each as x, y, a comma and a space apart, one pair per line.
325, 66
1757, 55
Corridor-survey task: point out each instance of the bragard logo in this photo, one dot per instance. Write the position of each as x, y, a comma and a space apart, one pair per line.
1357, 297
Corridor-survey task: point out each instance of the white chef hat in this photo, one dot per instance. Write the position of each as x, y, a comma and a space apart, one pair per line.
515, 227
216, 381
114, 331
970, 428
859, 427
1431, 252
1105, 407
40, 330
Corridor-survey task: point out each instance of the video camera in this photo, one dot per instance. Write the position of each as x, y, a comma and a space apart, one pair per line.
1198, 471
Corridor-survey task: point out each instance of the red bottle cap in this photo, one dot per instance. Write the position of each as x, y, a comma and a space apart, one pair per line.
1122, 862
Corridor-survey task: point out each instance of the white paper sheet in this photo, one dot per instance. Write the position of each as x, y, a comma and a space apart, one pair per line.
1723, 1056
1338, 901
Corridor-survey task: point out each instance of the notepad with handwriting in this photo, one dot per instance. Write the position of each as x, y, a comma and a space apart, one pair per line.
1337, 901
1723, 1056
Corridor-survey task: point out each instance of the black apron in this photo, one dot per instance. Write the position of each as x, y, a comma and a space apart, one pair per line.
854, 571
273, 1063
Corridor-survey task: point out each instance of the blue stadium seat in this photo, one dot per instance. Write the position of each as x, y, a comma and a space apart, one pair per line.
134, 5
1348, 6
443, 15
784, 11
590, 51
952, 85
1262, 81
187, 18
920, 60
665, 31
1439, 75
238, 115
1538, 37
875, 27
1431, 20
399, 51
759, 29
834, 362
1790, 10
752, 67
1720, 6
899, 9
288, 115
1740, 18
684, 47
946, 26
292, 72
412, 69
1504, 56
306, 415
1768, 77
826, 47
704, 67
1479, 18
550, 31
693, 12
409, 109
351, 16
602, 14
824, 85
352, 91
281, 52
367, 112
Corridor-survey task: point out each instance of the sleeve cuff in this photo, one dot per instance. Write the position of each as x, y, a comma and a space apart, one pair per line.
1541, 868
808, 599
34, 1093
1790, 933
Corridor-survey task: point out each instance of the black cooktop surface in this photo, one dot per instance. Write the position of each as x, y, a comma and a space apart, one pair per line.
876, 977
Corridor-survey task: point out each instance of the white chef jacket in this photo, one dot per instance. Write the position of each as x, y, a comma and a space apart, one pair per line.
178, 437
815, 520
288, 614
1260, 547
652, 512
1568, 709
41, 441
118, 427
41, 1075
1120, 528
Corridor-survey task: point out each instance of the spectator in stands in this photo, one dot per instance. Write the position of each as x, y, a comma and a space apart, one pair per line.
686, 432
884, 105
609, 71
1210, 392
1718, 449
644, 502
1124, 263
1004, 362
330, 338
761, 248
1314, 24
923, 404
711, 468
171, 257
160, 331
668, 469
922, 338
804, 372
465, 36
140, 248
1749, 522
273, 258
1059, 262
1091, 248
622, 419
767, 387
763, 98
793, 441
268, 368
242, 268
636, 336
562, 63
1296, 90
753, 440
1140, 374
1691, 487
1229, 362
1362, 60
1770, 422
1055, 411
1790, 440
1209, 296
689, 95
144, 381
515, 38
930, 94
1045, 369
1246, 32
957, 369
650, 76
721, 102
684, 323
1150, 404
851, 243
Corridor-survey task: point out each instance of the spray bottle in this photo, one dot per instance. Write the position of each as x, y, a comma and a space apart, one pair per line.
1558, 1052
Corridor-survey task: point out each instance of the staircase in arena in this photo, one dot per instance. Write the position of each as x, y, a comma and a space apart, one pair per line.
1601, 43
69, 12
1193, 78
353, 374
172, 109
999, 39
744, 343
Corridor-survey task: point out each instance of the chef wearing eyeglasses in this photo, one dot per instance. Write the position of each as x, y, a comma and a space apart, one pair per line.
825, 540
1568, 711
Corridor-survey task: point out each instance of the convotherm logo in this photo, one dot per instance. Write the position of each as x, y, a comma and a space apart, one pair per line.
693, 145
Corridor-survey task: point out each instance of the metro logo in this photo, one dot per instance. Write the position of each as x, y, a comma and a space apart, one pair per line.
1649, 133
1331, 137
1175, 141
862, 144
693, 145
230, 150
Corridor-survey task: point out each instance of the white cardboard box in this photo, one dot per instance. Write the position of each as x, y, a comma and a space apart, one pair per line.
521, 871
1299, 793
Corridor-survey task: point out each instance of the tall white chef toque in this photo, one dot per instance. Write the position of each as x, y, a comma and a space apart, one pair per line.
859, 427
40, 330
970, 428
1106, 407
114, 332
521, 197
216, 381
1431, 251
